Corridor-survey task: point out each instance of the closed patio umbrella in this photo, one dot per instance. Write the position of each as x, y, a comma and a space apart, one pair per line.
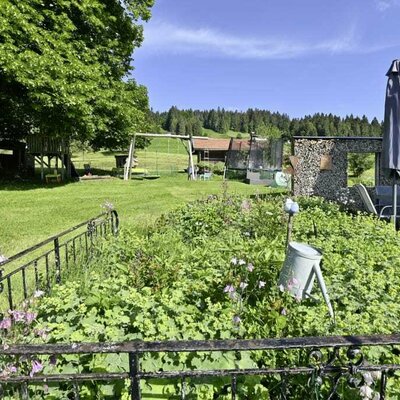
391, 135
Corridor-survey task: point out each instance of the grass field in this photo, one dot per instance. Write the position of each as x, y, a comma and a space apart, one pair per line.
32, 212
229, 134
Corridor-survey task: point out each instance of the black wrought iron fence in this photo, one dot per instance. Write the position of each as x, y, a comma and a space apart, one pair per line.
331, 365
39, 272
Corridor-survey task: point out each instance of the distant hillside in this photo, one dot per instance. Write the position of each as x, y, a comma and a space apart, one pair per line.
223, 123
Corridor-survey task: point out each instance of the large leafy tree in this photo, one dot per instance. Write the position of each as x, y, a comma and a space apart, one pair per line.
64, 67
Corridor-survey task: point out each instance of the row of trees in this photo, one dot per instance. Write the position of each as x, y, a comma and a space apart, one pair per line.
64, 67
265, 123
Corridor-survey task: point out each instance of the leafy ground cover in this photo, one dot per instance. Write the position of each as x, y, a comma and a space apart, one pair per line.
209, 271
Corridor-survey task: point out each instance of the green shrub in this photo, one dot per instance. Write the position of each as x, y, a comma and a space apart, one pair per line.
359, 163
218, 168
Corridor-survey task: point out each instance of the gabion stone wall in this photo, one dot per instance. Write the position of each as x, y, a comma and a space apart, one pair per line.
320, 165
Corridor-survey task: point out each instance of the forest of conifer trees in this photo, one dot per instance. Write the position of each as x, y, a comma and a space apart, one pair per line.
264, 123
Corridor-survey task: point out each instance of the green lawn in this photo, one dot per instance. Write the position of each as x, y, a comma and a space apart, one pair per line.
229, 134
32, 212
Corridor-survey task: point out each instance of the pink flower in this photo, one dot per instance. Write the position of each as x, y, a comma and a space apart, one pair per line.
250, 267
229, 289
30, 317
5, 323
18, 316
292, 283
37, 366
261, 284
8, 370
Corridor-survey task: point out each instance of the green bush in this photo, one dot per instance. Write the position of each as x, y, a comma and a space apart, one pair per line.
209, 271
218, 168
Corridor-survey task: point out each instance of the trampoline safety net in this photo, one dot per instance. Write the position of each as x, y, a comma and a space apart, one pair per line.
256, 154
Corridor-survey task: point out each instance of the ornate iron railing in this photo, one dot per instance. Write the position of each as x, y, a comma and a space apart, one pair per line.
40, 272
329, 363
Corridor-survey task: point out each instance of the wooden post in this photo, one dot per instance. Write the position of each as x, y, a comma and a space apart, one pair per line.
41, 167
191, 160
129, 161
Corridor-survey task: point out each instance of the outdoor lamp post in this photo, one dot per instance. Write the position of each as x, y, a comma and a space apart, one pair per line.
291, 207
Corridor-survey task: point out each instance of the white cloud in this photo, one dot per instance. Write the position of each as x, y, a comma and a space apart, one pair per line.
383, 5
161, 37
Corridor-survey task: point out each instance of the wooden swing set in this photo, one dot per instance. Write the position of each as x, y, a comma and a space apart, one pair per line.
186, 140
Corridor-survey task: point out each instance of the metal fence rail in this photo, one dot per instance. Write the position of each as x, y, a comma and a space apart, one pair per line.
336, 359
44, 270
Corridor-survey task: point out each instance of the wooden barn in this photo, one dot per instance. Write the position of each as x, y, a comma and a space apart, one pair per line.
212, 150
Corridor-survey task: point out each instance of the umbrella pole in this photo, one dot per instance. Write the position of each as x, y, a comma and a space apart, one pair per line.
394, 204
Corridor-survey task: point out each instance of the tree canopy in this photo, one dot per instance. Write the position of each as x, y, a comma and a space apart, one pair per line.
64, 67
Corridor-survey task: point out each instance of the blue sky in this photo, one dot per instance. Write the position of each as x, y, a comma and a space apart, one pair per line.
295, 57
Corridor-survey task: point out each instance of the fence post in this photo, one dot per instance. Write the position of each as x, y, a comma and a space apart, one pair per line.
57, 260
90, 230
114, 222
133, 373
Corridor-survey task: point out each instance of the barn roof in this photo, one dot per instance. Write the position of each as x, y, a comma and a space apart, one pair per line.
218, 144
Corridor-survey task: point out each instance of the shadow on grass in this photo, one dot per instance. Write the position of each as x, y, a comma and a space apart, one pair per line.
31, 184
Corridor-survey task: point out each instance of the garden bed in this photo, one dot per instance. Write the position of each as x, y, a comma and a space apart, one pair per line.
210, 271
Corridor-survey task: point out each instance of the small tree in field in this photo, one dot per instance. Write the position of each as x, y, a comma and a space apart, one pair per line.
359, 163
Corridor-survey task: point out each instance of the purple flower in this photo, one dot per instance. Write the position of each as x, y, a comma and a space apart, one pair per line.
5, 323
261, 284
250, 267
30, 317
18, 316
236, 320
8, 370
37, 366
283, 311
229, 289
243, 285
